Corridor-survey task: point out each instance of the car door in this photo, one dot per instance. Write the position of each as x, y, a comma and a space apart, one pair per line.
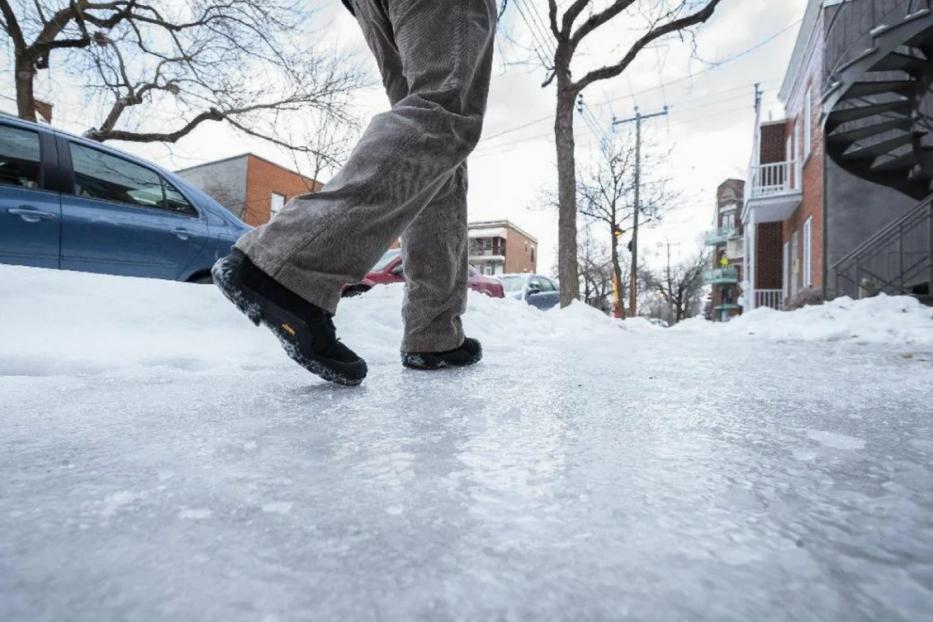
125, 218
30, 215
542, 293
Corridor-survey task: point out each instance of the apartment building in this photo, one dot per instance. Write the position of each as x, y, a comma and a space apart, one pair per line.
727, 269
501, 247
829, 183
251, 187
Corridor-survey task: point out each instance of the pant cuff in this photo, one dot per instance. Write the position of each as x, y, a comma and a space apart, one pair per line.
320, 291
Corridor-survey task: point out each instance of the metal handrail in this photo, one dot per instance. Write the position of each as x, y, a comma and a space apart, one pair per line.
883, 234
847, 7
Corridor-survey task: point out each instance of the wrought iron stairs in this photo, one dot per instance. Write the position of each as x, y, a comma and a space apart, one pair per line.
877, 108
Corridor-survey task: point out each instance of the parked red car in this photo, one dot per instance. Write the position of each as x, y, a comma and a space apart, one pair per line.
389, 270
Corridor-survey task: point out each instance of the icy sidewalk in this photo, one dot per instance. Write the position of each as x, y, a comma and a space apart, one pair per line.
161, 459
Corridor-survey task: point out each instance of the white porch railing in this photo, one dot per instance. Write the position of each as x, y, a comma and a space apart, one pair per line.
773, 298
774, 178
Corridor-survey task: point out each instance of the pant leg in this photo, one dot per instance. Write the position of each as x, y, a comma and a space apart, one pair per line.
406, 156
434, 245
435, 249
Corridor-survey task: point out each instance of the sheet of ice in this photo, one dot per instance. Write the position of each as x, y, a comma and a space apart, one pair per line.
161, 459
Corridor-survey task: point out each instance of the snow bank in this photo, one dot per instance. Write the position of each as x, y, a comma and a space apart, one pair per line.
57, 322
893, 320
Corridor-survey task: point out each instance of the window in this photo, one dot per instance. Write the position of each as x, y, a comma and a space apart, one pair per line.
728, 221
19, 157
795, 263
276, 203
807, 124
807, 251
175, 201
99, 175
386, 259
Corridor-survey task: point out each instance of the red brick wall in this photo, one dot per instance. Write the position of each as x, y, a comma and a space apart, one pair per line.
768, 255
813, 191
262, 179
521, 254
773, 143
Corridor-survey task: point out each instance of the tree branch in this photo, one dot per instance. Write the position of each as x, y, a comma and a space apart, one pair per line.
676, 25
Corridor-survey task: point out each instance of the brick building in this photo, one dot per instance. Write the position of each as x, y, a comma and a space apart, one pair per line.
500, 247
800, 206
727, 270
251, 187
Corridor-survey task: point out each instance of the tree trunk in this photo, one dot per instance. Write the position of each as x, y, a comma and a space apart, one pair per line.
567, 269
25, 99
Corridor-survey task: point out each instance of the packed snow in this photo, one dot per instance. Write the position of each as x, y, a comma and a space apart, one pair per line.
162, 459
890, 320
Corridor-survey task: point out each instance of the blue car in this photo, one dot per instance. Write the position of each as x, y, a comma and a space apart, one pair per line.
536, 289
75, 204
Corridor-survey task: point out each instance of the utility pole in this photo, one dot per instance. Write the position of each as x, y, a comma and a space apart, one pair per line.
637, 119
670, 284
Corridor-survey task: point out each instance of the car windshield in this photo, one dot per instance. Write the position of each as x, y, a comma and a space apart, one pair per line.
512, 283
386, 259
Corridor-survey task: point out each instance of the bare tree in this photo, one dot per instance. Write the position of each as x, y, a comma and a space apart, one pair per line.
606, 196
596, 270
179, 66
572, 25
680, 286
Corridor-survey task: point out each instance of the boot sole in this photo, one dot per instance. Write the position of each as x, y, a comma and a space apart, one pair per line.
410, 361
254, 311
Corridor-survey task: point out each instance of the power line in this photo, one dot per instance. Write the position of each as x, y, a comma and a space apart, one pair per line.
661, 85
679, 119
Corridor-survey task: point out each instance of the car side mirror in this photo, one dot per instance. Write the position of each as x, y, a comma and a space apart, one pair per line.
532, 290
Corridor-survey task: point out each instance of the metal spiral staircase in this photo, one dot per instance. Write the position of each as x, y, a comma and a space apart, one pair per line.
878, 113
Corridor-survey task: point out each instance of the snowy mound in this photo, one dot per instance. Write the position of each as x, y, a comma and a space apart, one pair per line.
58, 322
892, 320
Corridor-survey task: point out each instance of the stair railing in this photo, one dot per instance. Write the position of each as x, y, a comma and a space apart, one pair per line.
894, 261
851, 28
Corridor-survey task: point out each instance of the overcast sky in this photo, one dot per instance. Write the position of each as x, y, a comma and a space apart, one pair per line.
708, 132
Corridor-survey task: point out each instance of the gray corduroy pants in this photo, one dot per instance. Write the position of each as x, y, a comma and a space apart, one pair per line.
406, 177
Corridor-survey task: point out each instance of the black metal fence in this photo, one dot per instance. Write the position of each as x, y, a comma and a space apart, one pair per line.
897, 260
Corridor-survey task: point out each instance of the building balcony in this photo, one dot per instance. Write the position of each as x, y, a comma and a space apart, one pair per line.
487, 258
773, 192
721, 276
718, 237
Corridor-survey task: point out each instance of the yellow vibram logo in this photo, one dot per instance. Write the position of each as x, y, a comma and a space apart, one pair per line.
288, 329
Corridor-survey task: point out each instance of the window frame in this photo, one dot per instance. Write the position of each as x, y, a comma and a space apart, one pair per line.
807, 252
273, 212
42, 164
68, 168
807, 123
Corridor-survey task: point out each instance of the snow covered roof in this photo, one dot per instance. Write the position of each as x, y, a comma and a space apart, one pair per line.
497, 232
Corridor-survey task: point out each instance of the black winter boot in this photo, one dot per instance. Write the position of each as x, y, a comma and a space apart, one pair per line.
469, 352
306, 331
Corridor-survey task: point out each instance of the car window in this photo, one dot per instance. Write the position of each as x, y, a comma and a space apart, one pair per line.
512, 283
386, 259
19, 157
535, 283
175, 201
99, 175
546, 284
